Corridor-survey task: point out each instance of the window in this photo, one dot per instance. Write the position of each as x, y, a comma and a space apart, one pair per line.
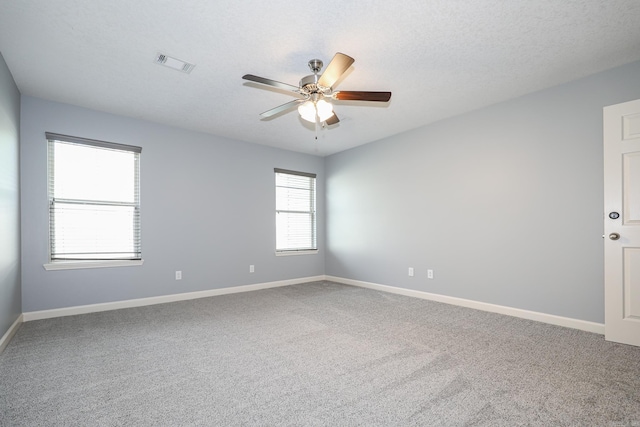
295, 211
94, 200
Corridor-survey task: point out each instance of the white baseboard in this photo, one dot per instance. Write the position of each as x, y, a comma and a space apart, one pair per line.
94, 308
4, 341
567, 322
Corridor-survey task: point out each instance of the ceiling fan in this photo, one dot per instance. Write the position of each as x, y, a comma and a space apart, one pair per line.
316, 88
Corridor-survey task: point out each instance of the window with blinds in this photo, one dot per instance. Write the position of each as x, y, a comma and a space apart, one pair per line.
295, 211
94, 199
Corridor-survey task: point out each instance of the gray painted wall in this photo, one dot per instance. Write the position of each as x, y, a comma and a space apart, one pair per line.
207, 207
505, 203
10, 305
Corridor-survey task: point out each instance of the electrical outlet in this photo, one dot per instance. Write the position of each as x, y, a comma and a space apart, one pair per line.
410, 271
252, 268
429, 274
178, 275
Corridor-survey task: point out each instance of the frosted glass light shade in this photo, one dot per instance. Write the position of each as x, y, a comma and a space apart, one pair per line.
307, 111
325, 110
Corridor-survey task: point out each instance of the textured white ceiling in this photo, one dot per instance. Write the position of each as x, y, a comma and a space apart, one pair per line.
439, 58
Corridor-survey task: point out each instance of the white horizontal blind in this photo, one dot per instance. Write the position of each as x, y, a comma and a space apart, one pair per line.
295, 211
94, 199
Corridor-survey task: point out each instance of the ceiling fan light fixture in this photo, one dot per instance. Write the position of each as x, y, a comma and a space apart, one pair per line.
309, 110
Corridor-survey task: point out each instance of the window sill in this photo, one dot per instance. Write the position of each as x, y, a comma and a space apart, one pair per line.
290, 253
75, 265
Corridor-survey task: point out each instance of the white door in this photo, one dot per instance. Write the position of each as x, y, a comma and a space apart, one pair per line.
622, 222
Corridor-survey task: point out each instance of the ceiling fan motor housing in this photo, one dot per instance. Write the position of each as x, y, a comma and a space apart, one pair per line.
309, 84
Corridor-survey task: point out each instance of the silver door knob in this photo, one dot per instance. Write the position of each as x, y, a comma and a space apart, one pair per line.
614, 236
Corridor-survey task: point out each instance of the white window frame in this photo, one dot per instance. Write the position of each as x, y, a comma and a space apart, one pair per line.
310, 212
60, 263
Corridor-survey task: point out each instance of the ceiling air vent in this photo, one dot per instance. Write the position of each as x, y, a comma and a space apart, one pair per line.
176, 64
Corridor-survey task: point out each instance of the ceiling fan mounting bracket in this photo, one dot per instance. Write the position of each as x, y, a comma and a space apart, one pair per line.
315, 65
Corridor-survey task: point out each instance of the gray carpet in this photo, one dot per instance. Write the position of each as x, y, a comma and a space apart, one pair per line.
317, 354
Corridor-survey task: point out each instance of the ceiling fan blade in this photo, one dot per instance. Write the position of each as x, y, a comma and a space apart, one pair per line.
336, 68
270, 82
350, 95
332, 120
284, 107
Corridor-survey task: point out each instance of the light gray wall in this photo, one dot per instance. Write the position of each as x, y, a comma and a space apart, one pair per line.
505, 204
207, 207
10, 297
